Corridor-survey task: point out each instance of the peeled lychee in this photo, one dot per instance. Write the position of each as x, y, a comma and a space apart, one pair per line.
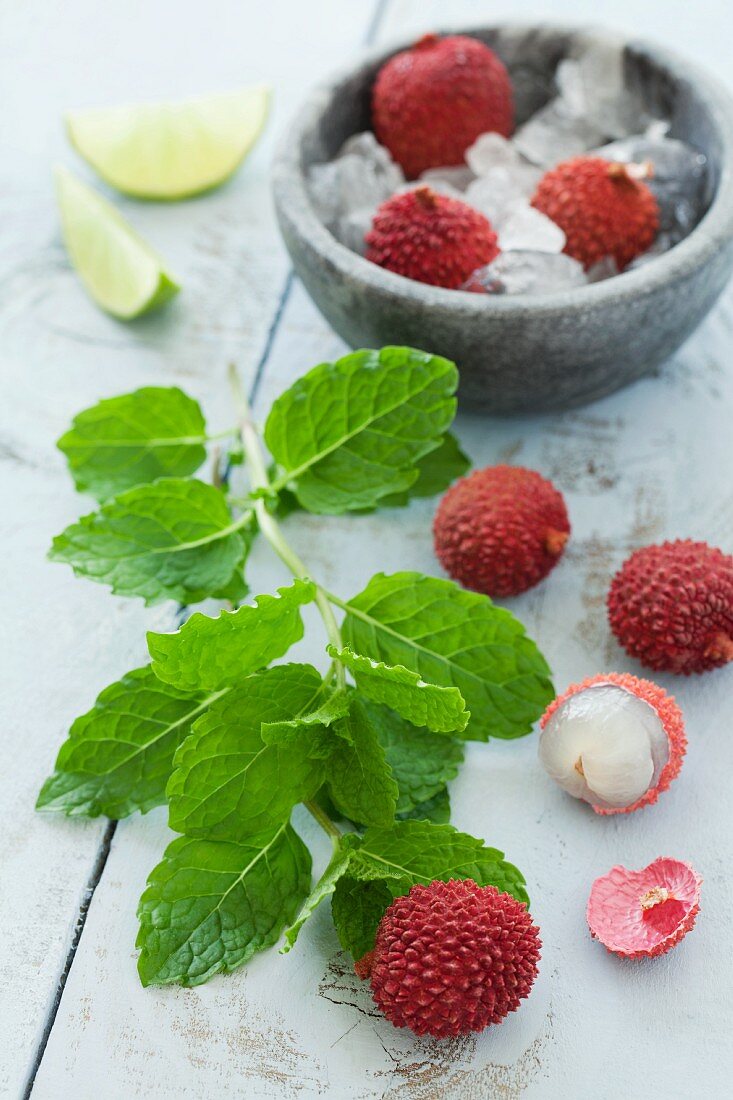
431, 102
614, 741
453, 957
671, 606
638, 914
429, 237
501, 530
604, 209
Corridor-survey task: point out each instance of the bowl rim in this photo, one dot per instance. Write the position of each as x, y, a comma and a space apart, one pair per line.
710, 235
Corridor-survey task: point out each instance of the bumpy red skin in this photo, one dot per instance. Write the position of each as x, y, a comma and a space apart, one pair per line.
431, 238
431, 102
501, 530
670, 716
453, 957
602, 211
671, 606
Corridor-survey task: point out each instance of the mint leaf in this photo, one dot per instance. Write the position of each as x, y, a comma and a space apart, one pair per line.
324, 888
119, 755
352, 432
359, 778
422, 762
210, 906
456, 639
389, 862
134, 439
439, 708
334, 706
435, 809
417, 851
357, 908
174, 539
210, 654
227, 784
438, 469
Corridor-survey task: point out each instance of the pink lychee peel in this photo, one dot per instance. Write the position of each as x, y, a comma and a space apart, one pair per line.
640, 914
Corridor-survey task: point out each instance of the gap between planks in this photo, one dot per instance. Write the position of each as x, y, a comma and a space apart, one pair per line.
105, 846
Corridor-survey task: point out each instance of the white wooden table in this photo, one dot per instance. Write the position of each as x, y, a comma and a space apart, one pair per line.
651, 462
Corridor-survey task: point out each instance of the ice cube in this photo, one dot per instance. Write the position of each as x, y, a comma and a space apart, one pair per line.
491, 151
458, 177
521, 228
351, 228
602, 269
362, 176
555, 134
679, 180
527, 273
500, 188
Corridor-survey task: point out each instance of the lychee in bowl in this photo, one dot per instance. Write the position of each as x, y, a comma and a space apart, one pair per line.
522, 353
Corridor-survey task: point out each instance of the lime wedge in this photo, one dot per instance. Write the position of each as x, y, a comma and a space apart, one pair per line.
170, 150
120, 271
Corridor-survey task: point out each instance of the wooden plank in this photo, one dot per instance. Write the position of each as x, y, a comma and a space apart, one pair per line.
59, 354
648, 463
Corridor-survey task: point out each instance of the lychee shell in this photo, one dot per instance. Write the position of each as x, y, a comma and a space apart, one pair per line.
617, 918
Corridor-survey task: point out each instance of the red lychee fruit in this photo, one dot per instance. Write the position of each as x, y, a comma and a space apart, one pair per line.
429, 237
603, 208
671, 606
453, 957
431, 102
615, 741
501, 530
639, 914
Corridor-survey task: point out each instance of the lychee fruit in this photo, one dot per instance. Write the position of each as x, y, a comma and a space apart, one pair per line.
501, 530
604, 209
430, 237
614, 741
453, 957
431, 102
671, 606
639, 914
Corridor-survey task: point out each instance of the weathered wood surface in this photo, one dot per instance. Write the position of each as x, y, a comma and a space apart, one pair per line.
651, 462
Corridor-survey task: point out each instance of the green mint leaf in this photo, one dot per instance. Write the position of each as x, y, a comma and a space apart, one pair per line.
417, 851
119, 755
359, 778
389, 862
174, 539
357, 908
323, 889
334, 706
441, 709
456, 639
422, 762
227, 784
435, 809
134, 439
438, 469
349, 433
210, 906
210, 654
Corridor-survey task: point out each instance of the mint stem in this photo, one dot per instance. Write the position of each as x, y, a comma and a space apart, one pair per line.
269, 526
324, 821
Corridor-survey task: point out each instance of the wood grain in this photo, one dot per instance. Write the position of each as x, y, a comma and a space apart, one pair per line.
649, 463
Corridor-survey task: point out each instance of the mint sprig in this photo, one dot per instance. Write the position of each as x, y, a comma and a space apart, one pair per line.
370, 742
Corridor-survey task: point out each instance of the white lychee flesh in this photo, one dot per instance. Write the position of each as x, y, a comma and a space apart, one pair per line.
605, 745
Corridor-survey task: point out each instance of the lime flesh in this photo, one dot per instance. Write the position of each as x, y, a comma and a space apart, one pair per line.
120, 271
170, 150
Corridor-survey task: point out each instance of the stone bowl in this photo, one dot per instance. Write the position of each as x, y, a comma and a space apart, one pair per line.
522, 353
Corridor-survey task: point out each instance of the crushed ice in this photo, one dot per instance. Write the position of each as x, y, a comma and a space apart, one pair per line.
592, 112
